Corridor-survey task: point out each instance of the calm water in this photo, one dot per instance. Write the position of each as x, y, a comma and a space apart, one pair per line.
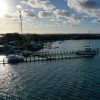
69, 79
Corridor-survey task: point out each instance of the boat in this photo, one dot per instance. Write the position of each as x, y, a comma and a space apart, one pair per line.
15, 59
86, 51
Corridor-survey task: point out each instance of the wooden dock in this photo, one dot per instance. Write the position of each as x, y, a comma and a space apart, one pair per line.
35, 58
47, 55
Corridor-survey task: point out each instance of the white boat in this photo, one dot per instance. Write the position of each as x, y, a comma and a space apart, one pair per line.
15, 59
87, 51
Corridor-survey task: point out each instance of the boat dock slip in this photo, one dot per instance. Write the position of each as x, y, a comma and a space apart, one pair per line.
32, 59
47, 55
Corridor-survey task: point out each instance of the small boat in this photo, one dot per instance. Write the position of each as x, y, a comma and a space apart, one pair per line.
15, 59
87, 51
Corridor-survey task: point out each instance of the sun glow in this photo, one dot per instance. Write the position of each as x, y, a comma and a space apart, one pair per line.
3, 8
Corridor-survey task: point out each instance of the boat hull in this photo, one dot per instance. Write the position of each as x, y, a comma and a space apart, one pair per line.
15, 59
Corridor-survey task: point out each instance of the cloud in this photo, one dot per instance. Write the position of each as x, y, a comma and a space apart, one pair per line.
19, 6
81, 5
8, 15
23, 2
45, 14
16, 19
65, 14
50, 25
75, 20
94, 13
61, 13
73, 25
55, 19
12, 16
28, 13
34, 3
88, 7
64, 22
46, 5
89, 4
96, 21
56, 23
86, 16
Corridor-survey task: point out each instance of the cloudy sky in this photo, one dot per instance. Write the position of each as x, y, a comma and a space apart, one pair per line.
50, 16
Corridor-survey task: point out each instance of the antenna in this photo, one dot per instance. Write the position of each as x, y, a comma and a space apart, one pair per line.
20, 16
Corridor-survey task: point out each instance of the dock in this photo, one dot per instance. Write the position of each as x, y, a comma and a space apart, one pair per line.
51, 55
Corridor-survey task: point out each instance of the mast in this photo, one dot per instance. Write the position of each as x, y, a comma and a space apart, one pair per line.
89, 37
21, 28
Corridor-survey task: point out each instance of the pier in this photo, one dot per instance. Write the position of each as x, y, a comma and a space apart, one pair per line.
51, 55
56, 55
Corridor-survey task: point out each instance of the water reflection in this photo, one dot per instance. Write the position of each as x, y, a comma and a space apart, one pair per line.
7, 84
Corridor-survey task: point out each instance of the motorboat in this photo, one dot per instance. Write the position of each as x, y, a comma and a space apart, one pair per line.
15, 59
87, 51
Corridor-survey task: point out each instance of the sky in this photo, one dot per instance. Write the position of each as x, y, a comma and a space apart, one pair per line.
50, 16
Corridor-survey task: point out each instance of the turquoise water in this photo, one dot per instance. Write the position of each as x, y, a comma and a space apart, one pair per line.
68, 79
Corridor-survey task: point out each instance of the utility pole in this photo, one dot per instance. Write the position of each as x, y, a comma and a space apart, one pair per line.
21, 28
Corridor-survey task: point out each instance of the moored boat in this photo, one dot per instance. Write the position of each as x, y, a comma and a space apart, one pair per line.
15, 59
87, 51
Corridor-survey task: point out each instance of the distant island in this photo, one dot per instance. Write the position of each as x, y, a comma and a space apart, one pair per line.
45, 37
